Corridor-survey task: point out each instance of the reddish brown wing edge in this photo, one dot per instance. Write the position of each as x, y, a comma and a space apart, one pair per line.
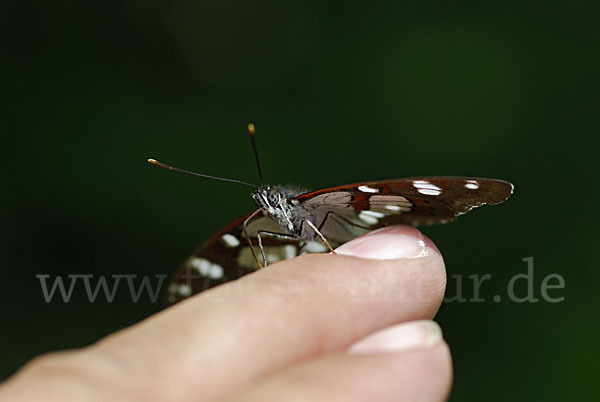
456, 196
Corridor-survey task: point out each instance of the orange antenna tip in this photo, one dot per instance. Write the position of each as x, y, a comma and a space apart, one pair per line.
157, 163
251, 129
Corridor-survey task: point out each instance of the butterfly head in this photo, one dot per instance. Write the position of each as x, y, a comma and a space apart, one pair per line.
274, 203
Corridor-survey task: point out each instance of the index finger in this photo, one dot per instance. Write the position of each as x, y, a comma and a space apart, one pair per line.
220, 340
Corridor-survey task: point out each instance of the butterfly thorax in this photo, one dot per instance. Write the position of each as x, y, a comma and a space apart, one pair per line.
280, 204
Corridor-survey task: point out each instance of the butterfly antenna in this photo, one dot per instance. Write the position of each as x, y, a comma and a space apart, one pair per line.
251, 131
164, 165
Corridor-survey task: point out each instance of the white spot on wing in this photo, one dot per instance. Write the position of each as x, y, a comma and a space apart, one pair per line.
427, 188
207, 268
472, 184
216, 271
271, 258
425, 184
368, 218
202, 265
230, 240
289, 251
428, 191
367, 189
393, 208
374, 214
315, 247
184, 290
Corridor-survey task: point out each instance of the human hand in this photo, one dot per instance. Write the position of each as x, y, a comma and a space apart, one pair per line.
320, 327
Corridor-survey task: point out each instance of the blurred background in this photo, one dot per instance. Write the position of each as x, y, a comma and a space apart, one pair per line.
340, 92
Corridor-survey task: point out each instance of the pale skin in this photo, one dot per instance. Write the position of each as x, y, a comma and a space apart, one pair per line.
348, 327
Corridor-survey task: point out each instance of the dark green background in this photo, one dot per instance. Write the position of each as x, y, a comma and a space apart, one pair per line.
340, 92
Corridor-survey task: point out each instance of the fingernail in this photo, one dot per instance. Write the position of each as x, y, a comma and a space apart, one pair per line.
389, 243
399, 338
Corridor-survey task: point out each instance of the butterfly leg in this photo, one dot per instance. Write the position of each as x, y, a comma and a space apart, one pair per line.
245, 230
333, 214
329, 214
318, 232
282, 236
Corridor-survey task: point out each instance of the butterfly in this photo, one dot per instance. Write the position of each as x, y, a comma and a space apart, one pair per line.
289, 222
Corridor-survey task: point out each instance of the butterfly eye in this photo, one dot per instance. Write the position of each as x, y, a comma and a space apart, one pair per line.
273, 198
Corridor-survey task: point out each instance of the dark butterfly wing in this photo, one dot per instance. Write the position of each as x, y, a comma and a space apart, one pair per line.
348, 211
227, 256
342, 213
